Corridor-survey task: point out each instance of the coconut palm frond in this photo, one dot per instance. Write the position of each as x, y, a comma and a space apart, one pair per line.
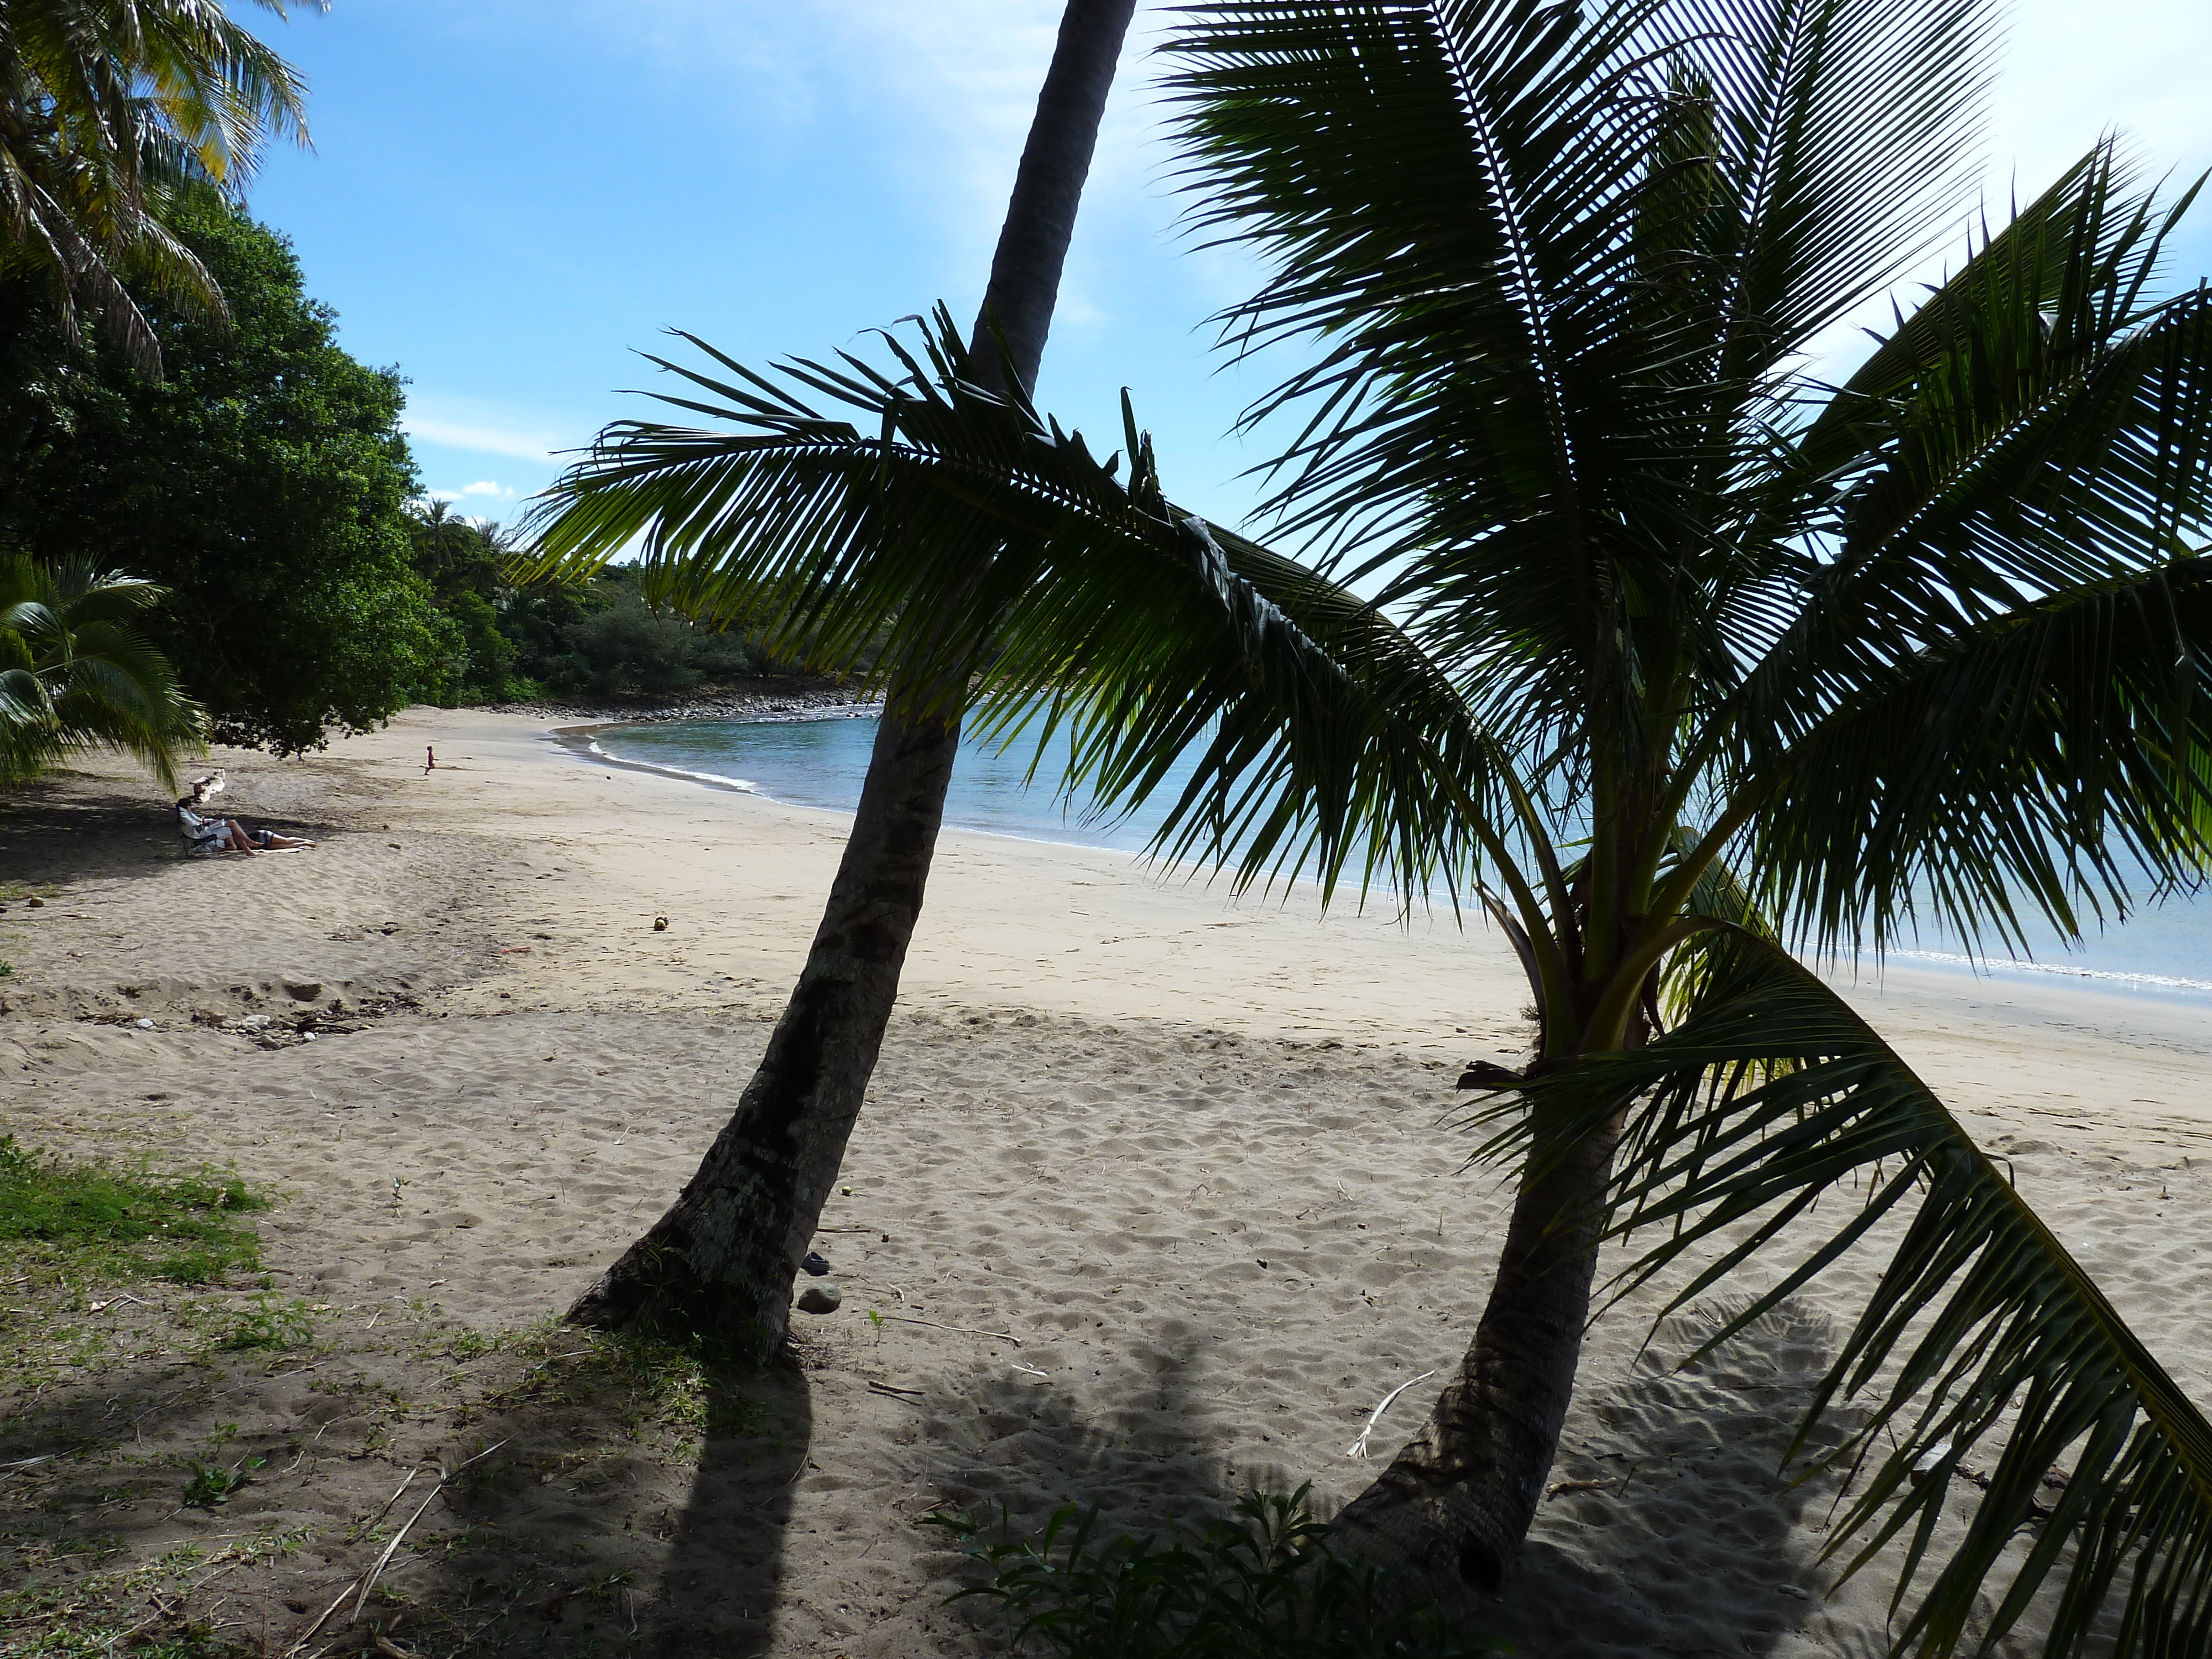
78, 675
948, 514
2057, 758
2039, 425
108, 114
1984, 1342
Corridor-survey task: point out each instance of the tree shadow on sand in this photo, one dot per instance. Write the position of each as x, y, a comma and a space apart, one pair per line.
569, 1494
590, 1530
611, 1497
55, 829
1144, 1451
1670, 1528
52, 833
722, 1576
1671, 1531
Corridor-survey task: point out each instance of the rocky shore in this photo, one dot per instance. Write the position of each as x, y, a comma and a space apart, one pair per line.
748, 700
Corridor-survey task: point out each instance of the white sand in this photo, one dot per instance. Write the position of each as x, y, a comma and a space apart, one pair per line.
1189, 1152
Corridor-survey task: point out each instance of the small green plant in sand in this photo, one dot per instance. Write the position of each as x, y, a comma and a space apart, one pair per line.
1261, 1580
124, 1223
266, 1322
212, 1484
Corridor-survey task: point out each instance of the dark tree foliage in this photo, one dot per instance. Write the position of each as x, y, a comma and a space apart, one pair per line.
263, 482
501, 642
628, 647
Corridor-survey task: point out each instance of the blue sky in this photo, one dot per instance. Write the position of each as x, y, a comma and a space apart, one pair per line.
509, 199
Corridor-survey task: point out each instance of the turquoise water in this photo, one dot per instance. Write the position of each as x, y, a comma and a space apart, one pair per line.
2165, 951
820, 762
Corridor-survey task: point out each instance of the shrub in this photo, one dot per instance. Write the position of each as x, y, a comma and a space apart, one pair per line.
1261, 1584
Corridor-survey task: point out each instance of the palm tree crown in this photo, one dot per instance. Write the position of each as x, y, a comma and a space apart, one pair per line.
1619, 611
76, 674
109, 108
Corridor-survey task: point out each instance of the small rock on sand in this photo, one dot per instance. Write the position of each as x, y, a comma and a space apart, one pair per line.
303, 990
821, 1299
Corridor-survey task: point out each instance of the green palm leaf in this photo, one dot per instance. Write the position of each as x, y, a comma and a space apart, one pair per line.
2039, 424
2028, 760
1984, 1334
108, 113
76, 674
1083, 598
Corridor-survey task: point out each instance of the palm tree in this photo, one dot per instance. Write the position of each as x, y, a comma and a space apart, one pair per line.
454, 553
724, 1256
109, 110
1617, 614
76, 674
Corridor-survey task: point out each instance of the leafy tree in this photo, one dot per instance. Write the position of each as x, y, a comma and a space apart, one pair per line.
1621, 616
630, 647
76, 673
598, 638
725, 1254
541, 622
263, 482
112, 110
461, 561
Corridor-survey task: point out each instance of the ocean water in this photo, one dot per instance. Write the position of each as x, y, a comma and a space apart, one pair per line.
2164, 952
820, 762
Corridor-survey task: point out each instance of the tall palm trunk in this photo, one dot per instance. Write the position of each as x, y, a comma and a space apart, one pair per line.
724, 1256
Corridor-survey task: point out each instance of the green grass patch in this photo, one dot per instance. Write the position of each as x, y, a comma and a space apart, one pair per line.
268, 1324
212, 1484
692, 1387
188, 1229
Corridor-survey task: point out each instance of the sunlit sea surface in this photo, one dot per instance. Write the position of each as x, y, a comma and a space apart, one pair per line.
2164, 952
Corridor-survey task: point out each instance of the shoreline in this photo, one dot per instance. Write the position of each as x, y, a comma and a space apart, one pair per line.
1198, 1160
2102, 981
1994, 976
751, 702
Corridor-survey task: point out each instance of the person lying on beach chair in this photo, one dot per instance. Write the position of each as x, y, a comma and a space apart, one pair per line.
204, 833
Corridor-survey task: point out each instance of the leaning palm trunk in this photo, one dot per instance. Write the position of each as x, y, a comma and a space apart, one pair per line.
1459, 1498
724, 1256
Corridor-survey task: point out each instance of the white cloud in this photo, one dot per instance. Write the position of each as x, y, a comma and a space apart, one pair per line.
485, 487
485, 440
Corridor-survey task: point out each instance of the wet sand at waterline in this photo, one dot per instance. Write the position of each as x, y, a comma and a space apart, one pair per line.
1157, 1196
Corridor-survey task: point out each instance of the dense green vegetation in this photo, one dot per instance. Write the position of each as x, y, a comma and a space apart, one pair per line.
120, 1224
501, 643
262, 481
110, 114
116, 123
173, 405
263, 484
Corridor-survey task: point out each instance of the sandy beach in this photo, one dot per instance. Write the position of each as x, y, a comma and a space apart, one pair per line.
1156, 1197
